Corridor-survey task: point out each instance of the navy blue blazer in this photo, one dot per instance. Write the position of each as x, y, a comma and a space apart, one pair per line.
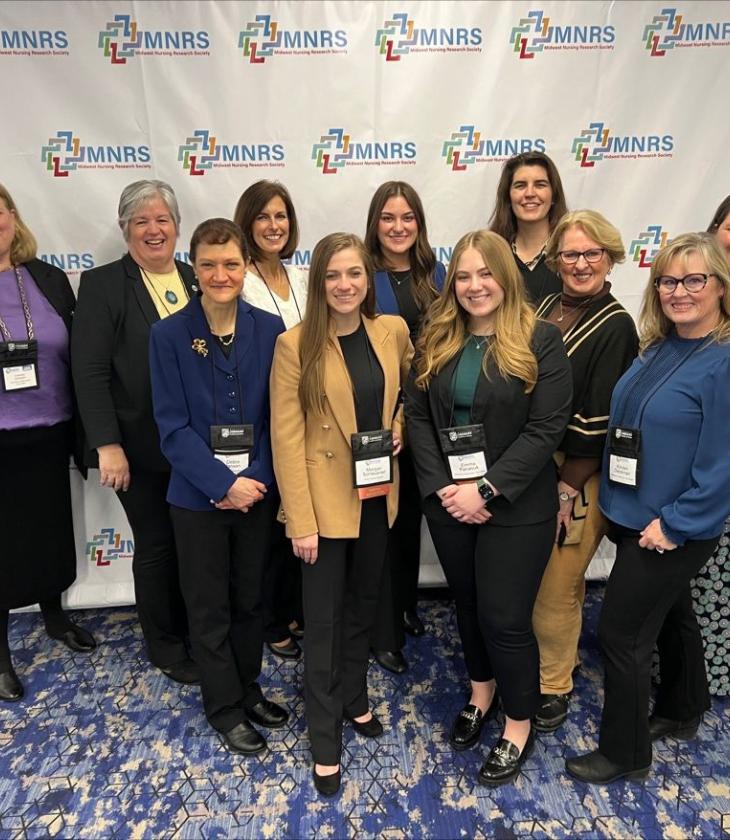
385, 300
192, 392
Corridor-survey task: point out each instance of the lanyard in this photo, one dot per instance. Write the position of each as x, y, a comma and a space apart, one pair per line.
373, 381
273, 297
26, 310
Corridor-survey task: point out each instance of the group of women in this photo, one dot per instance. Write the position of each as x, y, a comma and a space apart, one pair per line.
271, 448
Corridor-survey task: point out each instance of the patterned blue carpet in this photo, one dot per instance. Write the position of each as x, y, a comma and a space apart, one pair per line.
105, 746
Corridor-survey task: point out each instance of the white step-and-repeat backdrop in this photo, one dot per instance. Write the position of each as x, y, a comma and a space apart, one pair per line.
332, 98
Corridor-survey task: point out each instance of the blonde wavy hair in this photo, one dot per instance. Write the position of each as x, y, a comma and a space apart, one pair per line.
24, 247
594, 225
446, 326
654, 326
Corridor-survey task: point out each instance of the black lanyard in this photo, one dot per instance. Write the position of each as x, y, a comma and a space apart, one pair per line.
378, 391
26, 309
273, 296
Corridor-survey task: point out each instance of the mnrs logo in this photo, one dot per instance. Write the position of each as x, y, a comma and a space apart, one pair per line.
644, 248
336, 150
123, 39
668, 30
64, 154
202, 152
263, 38
33, 42
596, 143
70, 263
467, 147
400, 36
107, 546
534, 33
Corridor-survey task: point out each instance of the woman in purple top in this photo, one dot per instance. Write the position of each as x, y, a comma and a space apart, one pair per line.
38, 556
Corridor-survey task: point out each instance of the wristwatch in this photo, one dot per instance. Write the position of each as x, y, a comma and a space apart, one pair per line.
566, 497
485, 490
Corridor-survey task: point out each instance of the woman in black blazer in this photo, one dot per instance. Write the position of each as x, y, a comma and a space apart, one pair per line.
37, 550
487, 403
117, 305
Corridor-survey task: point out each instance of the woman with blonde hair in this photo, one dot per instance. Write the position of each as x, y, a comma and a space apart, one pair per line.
665, 489
336, 425
486, 406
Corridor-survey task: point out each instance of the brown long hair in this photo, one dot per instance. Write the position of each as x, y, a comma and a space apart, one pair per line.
252, 201
720, 215
316, 322
446, 327
421, 257
503, 220
23, 248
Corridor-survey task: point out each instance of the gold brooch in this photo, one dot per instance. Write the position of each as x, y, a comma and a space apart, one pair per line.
200, 347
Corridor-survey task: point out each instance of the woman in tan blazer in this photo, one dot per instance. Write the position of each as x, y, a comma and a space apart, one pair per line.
335, 420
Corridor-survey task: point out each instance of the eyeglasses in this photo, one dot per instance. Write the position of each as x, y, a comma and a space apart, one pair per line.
691, 282
571, 257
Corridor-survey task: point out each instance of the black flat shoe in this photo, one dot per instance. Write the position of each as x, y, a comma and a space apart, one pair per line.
372, 728
552, 712
327, 785
683, 730
243, 739
290, 650
11, 688
412, 624
505, 761
75, 638
185, 672
295, 631
595, 769
467, 727
391, 660
268, 714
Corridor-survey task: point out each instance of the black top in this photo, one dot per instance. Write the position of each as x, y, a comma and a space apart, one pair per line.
401, 283
368, 382
539, 281
225, 342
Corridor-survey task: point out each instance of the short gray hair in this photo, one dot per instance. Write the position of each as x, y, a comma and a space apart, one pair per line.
136, 194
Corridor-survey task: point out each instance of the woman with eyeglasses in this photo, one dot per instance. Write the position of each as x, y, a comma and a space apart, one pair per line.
665, 489
601, 342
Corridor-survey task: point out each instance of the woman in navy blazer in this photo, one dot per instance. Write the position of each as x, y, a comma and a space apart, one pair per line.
408, 279
210, 367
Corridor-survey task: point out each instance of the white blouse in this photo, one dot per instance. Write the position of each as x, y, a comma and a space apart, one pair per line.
291, 311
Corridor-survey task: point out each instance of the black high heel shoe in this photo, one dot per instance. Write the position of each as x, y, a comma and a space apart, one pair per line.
327, 785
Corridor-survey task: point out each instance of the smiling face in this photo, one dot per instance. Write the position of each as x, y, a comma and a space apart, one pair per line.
7, 233
397, 231
693, 313
583, 278
151, 236
346, 283
220, 270
270, 229
477, 291
530, 193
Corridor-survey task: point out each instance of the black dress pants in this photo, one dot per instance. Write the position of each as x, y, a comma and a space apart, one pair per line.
282, 593
222, 555
494, 574
647, 601
341, 592
160, 605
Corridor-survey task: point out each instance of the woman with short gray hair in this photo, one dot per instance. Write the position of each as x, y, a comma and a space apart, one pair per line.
117, 305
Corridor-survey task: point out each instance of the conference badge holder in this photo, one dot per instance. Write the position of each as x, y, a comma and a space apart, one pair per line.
624, 455
232, 445
372, 462
465, 449
19, 364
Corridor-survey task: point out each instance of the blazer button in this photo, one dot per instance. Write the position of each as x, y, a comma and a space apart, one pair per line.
329, 454
326, 427
232, 409
230, 377
231, 394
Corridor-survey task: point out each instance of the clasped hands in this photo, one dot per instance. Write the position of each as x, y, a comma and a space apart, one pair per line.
242, 495
465, 503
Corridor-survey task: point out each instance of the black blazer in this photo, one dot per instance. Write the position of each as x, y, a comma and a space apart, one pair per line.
110, 361
522, 431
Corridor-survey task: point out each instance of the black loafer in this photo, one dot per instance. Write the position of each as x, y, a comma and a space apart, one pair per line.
412, 624
243, 739
296, 631
268, 714
391, 660
76, 638
683, 730
185, 672
595, 769
372, 728
467, 727
11, 688
290, 650
505, 761
552, 712
327, 785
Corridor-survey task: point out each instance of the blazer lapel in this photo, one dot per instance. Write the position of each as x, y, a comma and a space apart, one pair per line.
338, 386
50, 290
245, 329
442, 396
188, 278
140, 290
382, 343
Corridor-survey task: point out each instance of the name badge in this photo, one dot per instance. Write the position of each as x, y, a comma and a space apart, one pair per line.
372, 462
232, 445
19, 364
464, 448
624, 455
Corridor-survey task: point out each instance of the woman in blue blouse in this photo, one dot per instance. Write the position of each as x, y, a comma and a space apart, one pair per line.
408, 279
666, 492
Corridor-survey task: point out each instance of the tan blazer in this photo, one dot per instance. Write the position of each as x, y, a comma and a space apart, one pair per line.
312, 455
